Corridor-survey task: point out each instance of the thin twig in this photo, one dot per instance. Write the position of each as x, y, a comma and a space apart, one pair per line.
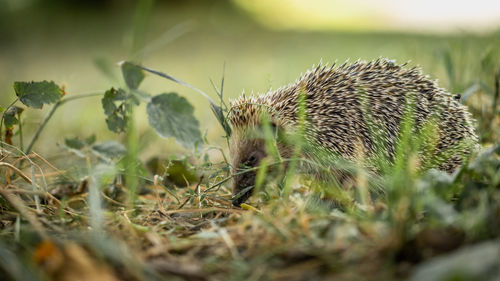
205, 210
18, 204
24, 191
217, 200
184, 203
19, 172
15, 189
16, 149
156, 186
112, 200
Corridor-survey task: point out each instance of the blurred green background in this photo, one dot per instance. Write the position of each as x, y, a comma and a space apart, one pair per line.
263, 45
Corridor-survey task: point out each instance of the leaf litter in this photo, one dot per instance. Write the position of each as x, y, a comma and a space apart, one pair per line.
201, 236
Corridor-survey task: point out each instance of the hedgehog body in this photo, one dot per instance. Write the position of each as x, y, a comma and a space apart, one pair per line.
338, 102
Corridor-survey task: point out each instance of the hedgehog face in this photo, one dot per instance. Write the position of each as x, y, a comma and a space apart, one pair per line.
248, 149
245, 154
248, 142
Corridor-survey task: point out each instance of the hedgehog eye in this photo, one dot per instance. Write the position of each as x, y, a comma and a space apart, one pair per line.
251, 160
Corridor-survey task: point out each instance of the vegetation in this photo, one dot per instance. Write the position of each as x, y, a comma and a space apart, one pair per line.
100, 213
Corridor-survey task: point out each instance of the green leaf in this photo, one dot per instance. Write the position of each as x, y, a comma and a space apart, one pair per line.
74, 143
172, 116
36, 94
177, 172
10, 120
9, 117
90, 140
110, 97
116, 123
180, 174
109, 149
132, 75
116, 112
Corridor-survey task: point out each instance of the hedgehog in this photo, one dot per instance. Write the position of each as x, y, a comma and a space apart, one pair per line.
338, 102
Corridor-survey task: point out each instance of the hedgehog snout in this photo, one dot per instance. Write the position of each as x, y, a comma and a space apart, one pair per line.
243, 183
244, 177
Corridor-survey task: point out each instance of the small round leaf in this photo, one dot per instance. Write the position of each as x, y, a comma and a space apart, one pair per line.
172, 116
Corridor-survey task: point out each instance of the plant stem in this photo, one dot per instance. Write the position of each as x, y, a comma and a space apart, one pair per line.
1, 120
21, 142
42, 126
131, 171
87, 95
51, 112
